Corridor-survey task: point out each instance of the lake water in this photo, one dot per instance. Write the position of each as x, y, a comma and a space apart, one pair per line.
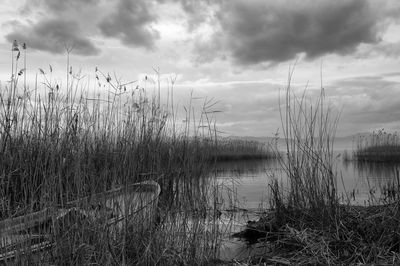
244, 186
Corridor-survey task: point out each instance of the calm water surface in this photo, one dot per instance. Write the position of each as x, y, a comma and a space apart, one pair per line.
244, 186
357, 182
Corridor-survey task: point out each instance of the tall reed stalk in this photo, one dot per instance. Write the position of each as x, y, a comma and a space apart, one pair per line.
308, 129
62, 143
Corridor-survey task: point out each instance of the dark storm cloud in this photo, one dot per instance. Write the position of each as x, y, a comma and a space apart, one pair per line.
131, 23
52, 35
127, 20
57, 6
258, 31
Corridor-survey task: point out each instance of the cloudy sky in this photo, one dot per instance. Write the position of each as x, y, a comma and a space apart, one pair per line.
237, 52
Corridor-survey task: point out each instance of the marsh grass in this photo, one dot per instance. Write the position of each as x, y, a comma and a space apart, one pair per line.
307, 224
59, 144
379, 153
379, 146
309, 129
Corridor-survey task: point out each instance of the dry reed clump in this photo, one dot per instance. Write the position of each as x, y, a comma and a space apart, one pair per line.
59, 144
363, 235
308, 129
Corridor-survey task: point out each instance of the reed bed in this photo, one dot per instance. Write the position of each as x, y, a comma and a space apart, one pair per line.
307, 224
378, 154
380, 146
61, 143
235, 149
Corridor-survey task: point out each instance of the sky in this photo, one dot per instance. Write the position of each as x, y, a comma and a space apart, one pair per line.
236, 53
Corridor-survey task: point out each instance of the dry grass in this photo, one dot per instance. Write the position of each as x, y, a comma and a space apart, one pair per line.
62, 143
363, 235
309, 130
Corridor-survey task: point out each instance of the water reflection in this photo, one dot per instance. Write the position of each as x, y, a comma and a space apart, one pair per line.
380, 179
359, 183
245, 191
377, 171
245, 183
246, 167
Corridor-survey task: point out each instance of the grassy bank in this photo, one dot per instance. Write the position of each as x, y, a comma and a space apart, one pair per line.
60, 143
307, 224
380, 146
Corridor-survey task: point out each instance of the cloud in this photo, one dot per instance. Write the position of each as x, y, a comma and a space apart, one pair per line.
79, 10
198, 11
392, 10
252, 108
131, 23
387, 49
258, 31
58, 6
392, 74
52, 35
367, 102
127, 20
246, 107
206, 50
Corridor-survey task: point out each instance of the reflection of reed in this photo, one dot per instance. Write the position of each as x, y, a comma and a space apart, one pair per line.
251, 167
375, 170
362, 182
382, 179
